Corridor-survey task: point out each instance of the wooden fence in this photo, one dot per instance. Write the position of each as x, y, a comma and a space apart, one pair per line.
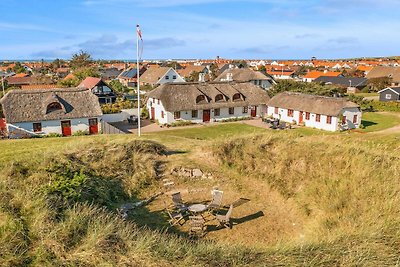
107, 128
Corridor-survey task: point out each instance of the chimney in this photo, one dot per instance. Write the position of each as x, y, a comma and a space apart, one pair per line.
202, 77
229, 77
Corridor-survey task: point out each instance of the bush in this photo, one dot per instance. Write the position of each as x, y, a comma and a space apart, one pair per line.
144, 113
236, 119
181, 123
116, 107
80, 133
50, 135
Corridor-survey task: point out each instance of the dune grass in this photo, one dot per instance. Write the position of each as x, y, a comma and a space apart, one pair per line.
327, 200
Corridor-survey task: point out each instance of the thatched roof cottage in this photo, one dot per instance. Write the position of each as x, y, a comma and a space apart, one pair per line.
44, 111
204, 102
321, 112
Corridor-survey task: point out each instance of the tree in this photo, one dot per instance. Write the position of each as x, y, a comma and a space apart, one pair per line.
18, 68
82, 73
81, 60
301, 71
118, 87
193, 76
379, 83
214, 71
307, 88
57, 63
262, 69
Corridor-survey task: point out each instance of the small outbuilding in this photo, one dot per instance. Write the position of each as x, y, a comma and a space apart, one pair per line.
389, 94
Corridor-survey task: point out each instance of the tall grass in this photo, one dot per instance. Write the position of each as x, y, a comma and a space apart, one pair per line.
348, 191
59, 209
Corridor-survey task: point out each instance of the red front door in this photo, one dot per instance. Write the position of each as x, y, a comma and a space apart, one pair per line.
300, 117
206, 115
254, 111
153, 113
93, 126
66, 128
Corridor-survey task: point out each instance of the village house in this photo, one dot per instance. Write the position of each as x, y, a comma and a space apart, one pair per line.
161, 75
389, 94
99, 88
205, 102
246, 75
352, 84
325, 113
128, 77
382, 71
61, 111
189, 70
312, 75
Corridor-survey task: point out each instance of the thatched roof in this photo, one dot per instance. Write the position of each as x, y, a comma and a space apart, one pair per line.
331, 106
182, 96
384, 71
30, 106
242, 75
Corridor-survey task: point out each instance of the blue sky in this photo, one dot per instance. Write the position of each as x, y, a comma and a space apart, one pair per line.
269, 29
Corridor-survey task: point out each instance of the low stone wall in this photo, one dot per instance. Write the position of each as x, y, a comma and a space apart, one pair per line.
190, 173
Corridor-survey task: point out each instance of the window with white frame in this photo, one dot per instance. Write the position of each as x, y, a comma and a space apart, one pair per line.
388, 96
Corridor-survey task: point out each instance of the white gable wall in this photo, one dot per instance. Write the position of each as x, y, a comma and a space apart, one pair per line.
171, 73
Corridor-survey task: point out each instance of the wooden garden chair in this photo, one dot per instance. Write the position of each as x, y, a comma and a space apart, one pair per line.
225, 220
175, 217
178, 202
216, 201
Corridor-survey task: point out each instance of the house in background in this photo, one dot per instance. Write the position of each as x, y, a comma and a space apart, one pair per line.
312, 75
110, 73
353, 84
205, 102
39, 112
389, 94
325, 113
189, 70
100, 88
384, 71
161, 75
128, 77
246, 75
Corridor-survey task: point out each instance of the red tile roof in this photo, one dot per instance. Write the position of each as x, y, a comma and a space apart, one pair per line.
89, 82
316, 74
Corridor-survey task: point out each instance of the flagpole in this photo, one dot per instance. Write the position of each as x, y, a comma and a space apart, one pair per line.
138, 74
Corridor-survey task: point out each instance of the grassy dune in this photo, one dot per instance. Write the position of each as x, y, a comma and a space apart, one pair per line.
324, 200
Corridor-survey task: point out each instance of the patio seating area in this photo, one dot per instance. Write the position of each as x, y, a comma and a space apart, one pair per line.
199, 217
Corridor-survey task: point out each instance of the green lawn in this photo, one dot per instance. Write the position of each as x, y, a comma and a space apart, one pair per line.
366, 94
373, 121
219, 131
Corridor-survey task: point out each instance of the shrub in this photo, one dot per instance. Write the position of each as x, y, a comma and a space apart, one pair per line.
50, 135
236, 119
181, 123
80, 133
